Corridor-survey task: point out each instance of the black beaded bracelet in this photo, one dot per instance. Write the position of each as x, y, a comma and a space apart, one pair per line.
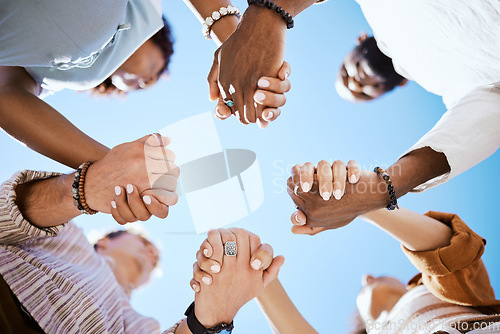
392, 194
271, 5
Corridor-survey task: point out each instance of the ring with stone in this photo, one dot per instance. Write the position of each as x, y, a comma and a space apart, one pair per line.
229, 103
230, 248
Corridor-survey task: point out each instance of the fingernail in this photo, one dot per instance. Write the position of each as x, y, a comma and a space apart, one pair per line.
259, 96
306, 187
256, 264
337, 194
286, 75
130, 188
269, 116
326, 195
353, 178
215, 268
113, 204
118, 190
206, 280
205, 252
263, 83
297, 217
147, 199
194, 287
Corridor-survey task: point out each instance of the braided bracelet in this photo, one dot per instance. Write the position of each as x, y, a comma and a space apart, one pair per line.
78, 189
217, 15
271, 5
392, 194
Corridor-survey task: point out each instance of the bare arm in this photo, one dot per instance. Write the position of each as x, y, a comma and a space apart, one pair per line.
415, 231
49, 202
32, 121
282, 315
224, 27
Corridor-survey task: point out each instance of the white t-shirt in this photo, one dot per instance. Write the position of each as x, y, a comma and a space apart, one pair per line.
452, 49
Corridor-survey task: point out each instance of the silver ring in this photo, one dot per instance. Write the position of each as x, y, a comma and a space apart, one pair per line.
295, 190
229, 103
230, 248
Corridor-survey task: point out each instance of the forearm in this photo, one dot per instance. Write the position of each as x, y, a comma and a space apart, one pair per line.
224, 27
48, 202
417, 167
415, 231
33, 122
282, 315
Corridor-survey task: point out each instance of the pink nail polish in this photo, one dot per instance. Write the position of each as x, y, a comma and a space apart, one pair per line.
259, 96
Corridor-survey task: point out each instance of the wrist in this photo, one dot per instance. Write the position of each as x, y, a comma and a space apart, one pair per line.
92, 188
223, 28
265, 18
208, 318
373, 190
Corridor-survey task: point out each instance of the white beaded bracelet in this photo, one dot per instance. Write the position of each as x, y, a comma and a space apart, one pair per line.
209, 21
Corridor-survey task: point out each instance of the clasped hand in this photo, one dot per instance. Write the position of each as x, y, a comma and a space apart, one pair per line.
223, 284
249, 70
317, 193
134, 180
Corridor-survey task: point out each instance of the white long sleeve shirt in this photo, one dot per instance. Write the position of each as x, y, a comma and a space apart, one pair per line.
451, 48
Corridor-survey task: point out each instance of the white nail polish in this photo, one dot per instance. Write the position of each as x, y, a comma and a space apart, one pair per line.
215, 268
263, 83
206, 280
147, 199
259, 96
297, 218
286, 75
256, 264
118, 190
205, 252
194, 287
353, 178
337, 194
306, 187
130, 188
113, 204
326, 195
269, 116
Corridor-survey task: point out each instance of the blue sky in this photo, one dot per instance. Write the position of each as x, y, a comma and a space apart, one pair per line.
322, 273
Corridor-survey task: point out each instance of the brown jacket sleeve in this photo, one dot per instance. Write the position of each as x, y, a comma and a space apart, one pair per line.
456, 273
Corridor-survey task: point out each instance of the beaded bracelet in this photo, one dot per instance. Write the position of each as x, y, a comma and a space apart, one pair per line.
271, 5
390, 188
78, 189
217, 15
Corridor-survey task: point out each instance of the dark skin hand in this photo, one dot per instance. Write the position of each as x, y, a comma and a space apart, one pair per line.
370, 193
256, 49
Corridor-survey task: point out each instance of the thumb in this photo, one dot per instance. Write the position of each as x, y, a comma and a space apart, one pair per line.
213, 77
271, 273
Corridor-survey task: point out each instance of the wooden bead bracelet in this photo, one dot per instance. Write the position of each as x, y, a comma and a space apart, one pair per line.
78, 189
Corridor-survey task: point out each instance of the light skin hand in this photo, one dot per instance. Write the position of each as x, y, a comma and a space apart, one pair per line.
150, 168
236, 283
128, 206
261, 259
272, 90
